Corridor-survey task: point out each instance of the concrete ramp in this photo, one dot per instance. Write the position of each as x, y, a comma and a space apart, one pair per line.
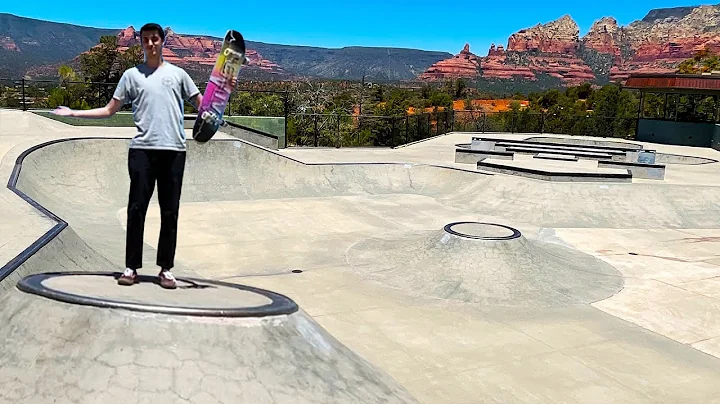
78, 337
485, 263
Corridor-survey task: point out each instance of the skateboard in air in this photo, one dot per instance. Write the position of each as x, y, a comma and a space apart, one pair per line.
219, 88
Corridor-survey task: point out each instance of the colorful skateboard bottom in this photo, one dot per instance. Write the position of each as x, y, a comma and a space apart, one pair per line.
219, 87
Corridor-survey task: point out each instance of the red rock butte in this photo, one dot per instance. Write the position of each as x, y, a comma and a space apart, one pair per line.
464, 64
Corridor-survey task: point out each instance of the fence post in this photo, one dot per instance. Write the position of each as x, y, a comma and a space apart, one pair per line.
315, 131
23, 95
285, 113
407, 127
339, 139
392, 133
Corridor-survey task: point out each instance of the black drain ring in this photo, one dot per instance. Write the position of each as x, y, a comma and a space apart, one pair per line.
515, 232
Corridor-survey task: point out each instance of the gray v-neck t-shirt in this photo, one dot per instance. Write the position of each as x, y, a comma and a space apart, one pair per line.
157, 98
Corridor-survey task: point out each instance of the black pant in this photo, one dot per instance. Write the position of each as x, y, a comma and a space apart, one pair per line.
145, 167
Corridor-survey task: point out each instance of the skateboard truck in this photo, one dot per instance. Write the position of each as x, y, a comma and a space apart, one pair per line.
212, 118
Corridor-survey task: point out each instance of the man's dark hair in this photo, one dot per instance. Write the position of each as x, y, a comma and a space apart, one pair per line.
153, 27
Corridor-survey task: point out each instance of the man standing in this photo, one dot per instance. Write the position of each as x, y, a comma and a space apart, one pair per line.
156, 89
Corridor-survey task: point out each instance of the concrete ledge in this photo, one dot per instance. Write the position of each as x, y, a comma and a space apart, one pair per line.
584, 142
668, 158
554, 176
531, 150
473, 156
482, 144
545, 156
561, 149
639, 170
556, 144
641, 156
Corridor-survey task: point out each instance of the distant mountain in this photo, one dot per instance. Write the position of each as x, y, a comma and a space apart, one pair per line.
35, 48
27, 42
386, 64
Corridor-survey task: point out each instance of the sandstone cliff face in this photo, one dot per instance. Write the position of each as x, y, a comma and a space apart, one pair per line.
655, 44
605, 37
660, 44
559, 36
186, 50
464, 64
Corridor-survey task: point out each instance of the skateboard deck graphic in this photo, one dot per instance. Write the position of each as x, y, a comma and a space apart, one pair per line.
219, 88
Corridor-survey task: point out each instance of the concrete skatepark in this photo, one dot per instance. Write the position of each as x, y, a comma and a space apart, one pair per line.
357, 275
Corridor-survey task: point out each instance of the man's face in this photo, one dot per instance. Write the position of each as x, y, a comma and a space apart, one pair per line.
151, 42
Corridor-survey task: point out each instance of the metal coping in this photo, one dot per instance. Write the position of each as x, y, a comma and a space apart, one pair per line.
631, 164
280, 304
252, 130
192, 117
492, 152
558, 158
515, 232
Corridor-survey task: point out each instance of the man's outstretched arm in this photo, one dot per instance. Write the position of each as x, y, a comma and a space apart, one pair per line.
104, 112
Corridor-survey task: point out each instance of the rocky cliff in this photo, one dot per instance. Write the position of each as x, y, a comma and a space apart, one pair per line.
464, 64
188, 50
607, 52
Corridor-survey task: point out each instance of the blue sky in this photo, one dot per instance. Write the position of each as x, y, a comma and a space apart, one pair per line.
443, 25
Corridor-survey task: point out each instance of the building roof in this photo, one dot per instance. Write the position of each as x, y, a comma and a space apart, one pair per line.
676, 83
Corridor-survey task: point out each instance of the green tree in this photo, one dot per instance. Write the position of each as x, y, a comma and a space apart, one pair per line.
72, 92
703, 61
105, 64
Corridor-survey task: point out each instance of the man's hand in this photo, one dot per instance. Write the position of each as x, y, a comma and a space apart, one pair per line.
108, 110
63, 111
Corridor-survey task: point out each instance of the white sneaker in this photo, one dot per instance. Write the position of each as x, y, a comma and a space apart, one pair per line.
167, 280
128, 277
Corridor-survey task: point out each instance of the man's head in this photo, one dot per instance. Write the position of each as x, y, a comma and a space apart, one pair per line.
152, 38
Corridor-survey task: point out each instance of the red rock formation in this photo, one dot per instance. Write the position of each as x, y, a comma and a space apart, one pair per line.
559, 36
651, 45
570, 69
464, 64
9, 44
605, 37
660, 45
550, 48
495, 65
193, 50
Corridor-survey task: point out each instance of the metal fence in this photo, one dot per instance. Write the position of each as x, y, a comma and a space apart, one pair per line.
331, 130
345, 130
535, 122
48, 94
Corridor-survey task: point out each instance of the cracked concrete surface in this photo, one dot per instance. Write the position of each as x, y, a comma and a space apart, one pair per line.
59, 352
251, 216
